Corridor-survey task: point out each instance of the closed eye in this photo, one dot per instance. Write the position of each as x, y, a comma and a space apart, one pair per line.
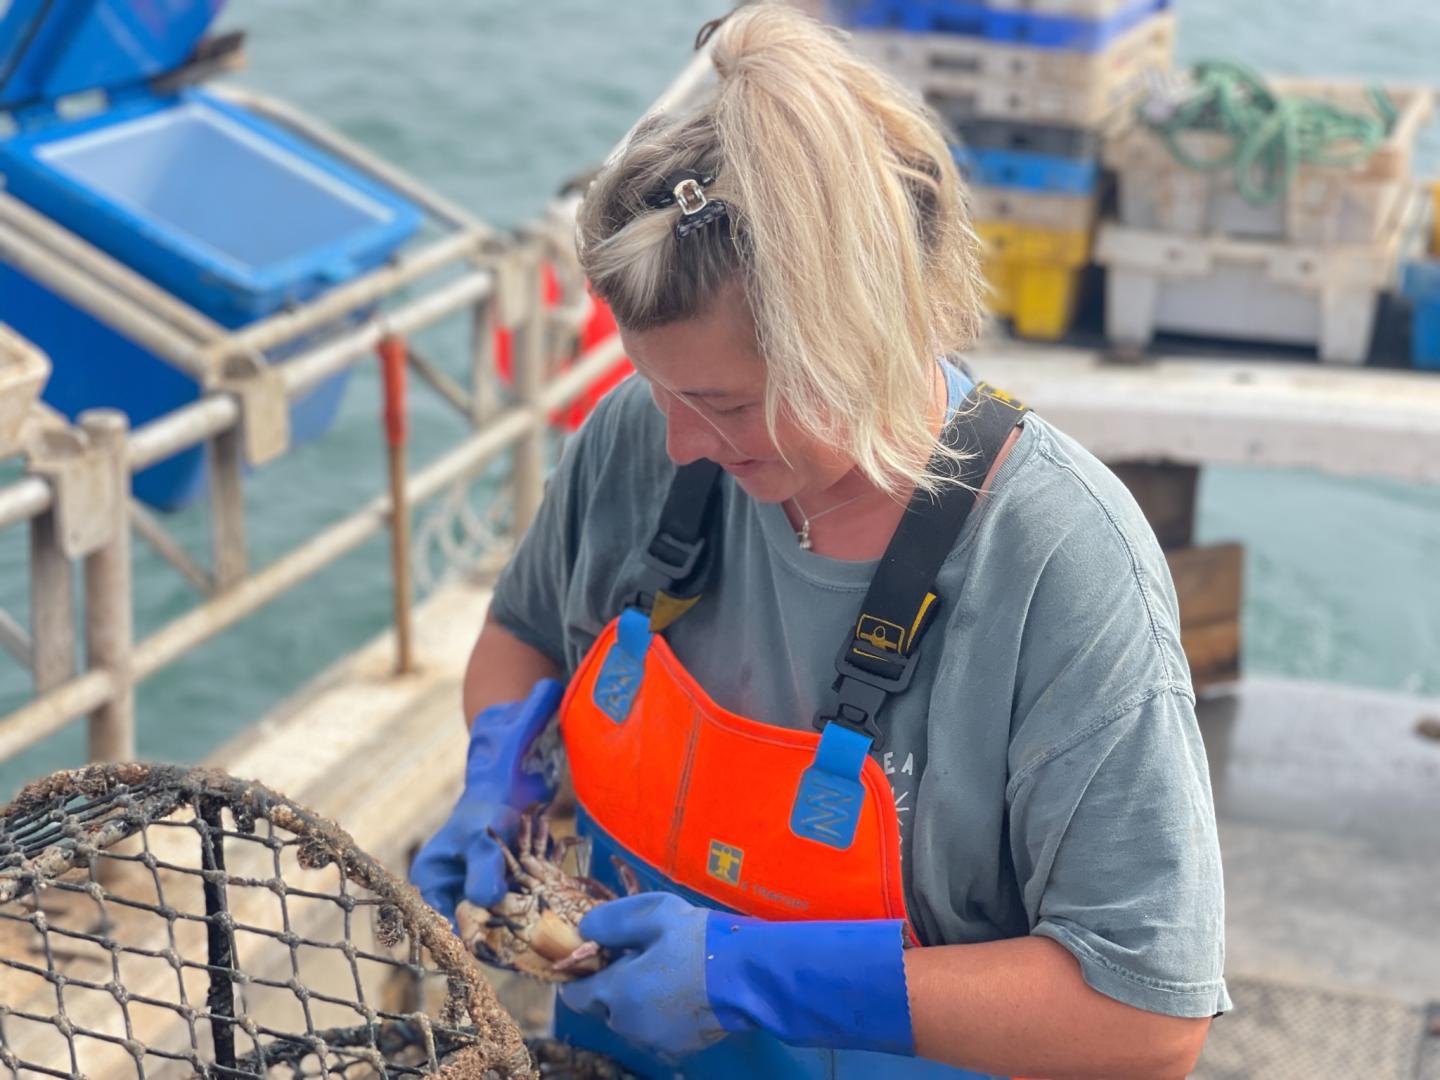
733, 410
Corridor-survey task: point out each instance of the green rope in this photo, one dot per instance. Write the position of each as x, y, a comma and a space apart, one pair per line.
1271, 134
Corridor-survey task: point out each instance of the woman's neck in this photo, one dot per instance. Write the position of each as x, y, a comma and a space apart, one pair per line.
865, 516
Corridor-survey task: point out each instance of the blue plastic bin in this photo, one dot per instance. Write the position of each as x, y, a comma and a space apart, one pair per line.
997, 24
1027, 171
1421, 286
228, 212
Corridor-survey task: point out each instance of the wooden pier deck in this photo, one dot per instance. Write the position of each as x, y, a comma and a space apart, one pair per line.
1328, 799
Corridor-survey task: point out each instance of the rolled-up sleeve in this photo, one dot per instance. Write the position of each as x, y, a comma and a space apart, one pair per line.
1115, 847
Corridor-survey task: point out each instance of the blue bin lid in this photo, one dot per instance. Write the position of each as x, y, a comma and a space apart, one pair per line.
50, 48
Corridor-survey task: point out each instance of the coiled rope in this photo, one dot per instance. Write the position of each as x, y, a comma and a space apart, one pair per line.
1270, 134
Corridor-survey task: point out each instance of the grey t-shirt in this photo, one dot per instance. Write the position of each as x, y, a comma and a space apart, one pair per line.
1048, 772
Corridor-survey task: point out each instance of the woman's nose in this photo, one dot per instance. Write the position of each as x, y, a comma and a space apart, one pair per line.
688, 436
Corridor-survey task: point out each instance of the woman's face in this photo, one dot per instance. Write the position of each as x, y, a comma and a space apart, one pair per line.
708, 378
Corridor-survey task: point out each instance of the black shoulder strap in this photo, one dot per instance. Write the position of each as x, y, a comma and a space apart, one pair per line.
878, 658
681, 552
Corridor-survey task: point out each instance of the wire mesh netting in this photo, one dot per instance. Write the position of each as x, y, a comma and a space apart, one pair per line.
1287, 1032
160, 921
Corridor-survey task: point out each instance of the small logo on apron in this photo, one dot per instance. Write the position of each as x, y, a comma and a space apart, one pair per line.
724, 862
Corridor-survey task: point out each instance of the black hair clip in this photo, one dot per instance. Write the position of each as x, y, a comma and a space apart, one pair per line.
686, 188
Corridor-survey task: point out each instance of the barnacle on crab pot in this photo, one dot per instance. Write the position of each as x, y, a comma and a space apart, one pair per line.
533, 928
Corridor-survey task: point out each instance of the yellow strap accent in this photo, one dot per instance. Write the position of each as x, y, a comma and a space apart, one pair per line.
666, 609
919, 618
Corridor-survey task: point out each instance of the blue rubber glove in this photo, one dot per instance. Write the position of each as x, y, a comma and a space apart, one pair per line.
686, 976
462, 861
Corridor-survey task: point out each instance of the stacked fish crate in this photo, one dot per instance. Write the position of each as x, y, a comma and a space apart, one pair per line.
1421, 285
1028, 87
1277, 212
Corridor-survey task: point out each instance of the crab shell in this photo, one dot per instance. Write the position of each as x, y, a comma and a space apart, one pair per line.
523, 933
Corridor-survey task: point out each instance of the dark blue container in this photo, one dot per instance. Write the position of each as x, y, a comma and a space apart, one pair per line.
228, 212
1028, 171
1421, 286
1012, 27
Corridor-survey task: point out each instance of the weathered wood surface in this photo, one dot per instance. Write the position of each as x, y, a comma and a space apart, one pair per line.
1275, 414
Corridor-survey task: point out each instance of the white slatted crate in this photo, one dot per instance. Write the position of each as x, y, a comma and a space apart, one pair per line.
1078, 9
1324, 204
945, 63
23, 371
1246, 290
974, 79
1061, 212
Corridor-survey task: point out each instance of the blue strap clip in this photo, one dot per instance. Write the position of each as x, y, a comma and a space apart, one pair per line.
830, 797
620, 675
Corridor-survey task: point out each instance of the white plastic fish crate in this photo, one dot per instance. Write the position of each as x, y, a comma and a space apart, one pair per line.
1324, 204
1246, 290
1080, 9
23, 371
970, 78
944, 61
1048, 210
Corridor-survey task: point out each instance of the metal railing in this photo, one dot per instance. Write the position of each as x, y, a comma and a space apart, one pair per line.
74, 498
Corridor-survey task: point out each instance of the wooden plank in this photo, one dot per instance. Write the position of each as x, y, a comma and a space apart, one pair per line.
1208, 582
1213, 650
1330, 418
1166, 494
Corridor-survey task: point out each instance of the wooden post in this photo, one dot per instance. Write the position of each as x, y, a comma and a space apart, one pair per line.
529, 354
392, 368
482, 360
52, 605
109, 625
226, 459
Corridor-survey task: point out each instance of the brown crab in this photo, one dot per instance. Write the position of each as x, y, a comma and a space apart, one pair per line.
533, 928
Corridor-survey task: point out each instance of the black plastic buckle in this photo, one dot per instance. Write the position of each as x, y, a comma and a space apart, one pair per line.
689, 552
861, 694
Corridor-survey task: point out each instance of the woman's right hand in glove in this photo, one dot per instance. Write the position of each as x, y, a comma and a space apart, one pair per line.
462, 861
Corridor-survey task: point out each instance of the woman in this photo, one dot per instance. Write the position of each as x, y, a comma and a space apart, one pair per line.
997, 853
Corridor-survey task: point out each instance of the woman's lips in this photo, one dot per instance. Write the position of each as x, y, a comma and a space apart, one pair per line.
742, 468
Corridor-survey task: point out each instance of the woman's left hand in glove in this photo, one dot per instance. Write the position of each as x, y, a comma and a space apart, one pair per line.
684, 977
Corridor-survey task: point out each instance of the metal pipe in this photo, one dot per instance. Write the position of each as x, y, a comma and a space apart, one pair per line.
440, 382
53, 711
285, 326
26, 498
34, 261
172, 641
193, 424
15, 641
109, 593
141, 291
574, 380
187, 426
305, 372
153, 533
330, 139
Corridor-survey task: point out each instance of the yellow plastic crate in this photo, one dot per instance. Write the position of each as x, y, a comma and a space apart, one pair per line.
1034, 275
1435, 219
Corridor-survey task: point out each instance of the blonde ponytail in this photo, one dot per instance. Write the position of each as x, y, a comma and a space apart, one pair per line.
847, 230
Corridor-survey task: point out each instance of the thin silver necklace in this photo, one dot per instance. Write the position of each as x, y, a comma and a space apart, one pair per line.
802, 534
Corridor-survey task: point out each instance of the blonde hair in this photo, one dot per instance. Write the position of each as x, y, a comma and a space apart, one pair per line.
846, 229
